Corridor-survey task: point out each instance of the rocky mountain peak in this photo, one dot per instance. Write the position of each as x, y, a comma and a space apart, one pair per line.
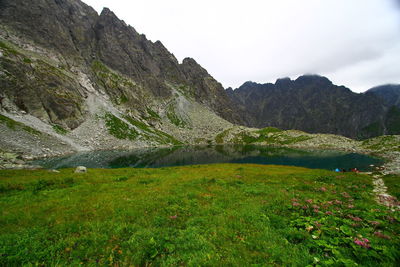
283, 82
103, 50
314, 79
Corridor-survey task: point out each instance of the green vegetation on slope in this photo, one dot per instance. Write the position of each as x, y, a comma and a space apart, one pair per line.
119, 128
153, 134
245, 137
269, 135
59, 129
123, 130
14, 125
220, 138
174, 118
114, 83
8, 48
152, 114
386, 143
210, 215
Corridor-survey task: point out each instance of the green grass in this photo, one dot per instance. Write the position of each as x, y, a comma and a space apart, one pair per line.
392, 181
209, 215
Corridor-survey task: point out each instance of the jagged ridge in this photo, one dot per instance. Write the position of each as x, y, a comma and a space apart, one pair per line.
313, 104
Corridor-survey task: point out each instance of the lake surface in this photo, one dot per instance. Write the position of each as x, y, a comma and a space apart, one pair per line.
189, 155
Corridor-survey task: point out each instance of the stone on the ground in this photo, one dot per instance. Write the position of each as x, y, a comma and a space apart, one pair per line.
80, 169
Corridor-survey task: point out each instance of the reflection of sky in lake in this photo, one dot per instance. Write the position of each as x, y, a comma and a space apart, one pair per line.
189, 155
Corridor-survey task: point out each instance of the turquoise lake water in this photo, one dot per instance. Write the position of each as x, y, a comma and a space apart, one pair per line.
190, 155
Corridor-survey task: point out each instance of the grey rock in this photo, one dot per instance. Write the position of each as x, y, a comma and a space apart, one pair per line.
80, 169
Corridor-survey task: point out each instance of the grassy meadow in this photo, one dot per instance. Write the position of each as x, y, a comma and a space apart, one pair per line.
205, 215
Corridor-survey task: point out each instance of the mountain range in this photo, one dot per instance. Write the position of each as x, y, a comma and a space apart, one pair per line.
314, 104
72, 79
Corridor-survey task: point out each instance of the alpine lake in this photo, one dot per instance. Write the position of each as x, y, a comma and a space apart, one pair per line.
196, 155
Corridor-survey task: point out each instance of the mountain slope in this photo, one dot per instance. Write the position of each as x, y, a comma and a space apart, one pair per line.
313, 104
84, 73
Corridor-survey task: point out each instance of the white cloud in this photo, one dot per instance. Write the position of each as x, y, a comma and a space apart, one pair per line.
351, 42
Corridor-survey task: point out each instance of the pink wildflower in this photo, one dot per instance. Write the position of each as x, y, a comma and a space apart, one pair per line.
316, 210
350, 206
304, 207
309, 201
173, 217
364, 242
323, 189
295, 204
374, 223
315, 206
337, 202
356, 219
329, 202
295, 200
329, 213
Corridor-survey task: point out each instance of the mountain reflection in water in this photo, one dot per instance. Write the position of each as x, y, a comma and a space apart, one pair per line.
190, 155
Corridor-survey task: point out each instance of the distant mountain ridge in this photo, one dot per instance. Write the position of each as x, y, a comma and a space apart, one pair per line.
390, 93
314, 104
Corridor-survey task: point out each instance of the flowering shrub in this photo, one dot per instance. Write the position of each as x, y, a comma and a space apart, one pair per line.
343, 229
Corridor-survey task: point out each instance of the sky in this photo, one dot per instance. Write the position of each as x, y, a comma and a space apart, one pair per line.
355, 43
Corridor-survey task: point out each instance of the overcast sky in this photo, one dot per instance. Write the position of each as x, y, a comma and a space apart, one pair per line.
355, 43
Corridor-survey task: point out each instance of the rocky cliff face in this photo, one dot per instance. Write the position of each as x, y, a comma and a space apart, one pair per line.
92, 82
77, 39
313, 104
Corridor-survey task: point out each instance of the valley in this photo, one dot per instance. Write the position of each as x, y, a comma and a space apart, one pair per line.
172, 168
